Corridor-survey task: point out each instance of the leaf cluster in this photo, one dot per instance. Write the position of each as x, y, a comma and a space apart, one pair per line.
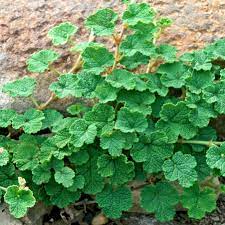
143, 112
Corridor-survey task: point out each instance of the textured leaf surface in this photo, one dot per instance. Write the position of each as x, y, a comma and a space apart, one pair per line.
182, 168
128, 121
102, 22
65, 176
61, 33
160, 199
97, 59
216, 158
6, 117
114, 201
198, 202
30, 121
19, 200
39, 61
20, 88
4, 157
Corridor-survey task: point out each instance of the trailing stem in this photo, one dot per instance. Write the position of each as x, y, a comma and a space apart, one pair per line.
199, 142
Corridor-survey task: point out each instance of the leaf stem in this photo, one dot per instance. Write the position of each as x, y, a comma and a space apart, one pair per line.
34, 101
54, 70
199, 142
52, 98
77, 64
117, 41
3, 188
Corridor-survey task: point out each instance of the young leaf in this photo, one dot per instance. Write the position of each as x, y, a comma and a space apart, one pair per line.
65, 86
20, 88
30, 121
198, 202
182, 168
79, 158
97, 59
110, 200
19, 200
61, 33
129, 122
51, 117
215, 158
39, 61
82, 133
65, 176
138, 13
160, 199
102, 23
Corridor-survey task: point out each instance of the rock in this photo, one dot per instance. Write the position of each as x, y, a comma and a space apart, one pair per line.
6, 218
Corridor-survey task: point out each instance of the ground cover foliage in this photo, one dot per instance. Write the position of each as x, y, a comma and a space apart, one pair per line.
144, 115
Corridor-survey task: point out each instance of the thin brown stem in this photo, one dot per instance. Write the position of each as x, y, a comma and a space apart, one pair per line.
117, 41
78, 62
34, 101
54, 70
84, 202
52, 98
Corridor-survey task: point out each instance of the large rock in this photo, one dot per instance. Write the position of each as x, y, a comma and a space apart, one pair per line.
24, 25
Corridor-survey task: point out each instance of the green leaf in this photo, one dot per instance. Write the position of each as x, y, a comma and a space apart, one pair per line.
65, 86
134, 61
152, 149
76, 109
61, 33
173, 74
19, 200
6, 117
201, 111
80, 47
65, 176
4, 157
41, 174
113, 141
119, 169
129, 122
94, 183
199, 80
106, 93
86, 84
138, 13
40, 61
30, 121
26, 153
155, 85
97, 59
160, 199
215, 158
114, 201
122, 79
8, 175
137, 101
136, 43
167, 52
59, 195
20, 88
102, 23
181, 167
174, 121
79, 158
202, 168
100, 115
82, 133
78, 183
198, 201
215, 93
51, 117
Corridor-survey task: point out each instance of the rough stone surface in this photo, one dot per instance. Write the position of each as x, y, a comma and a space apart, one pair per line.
24, 25
6, 219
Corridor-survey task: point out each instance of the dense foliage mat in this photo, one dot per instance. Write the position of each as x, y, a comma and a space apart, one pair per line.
145, 116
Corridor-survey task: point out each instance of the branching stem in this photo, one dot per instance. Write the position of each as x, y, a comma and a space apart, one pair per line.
77, 64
